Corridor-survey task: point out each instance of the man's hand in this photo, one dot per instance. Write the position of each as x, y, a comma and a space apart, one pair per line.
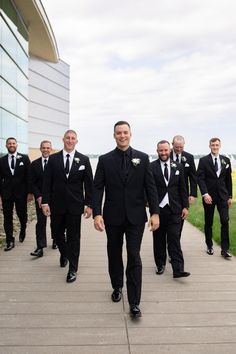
39, 201
191, 199
207, 199
230, 202
30, 197
87, 212
154, 222
99, 223
46, 210
184, 214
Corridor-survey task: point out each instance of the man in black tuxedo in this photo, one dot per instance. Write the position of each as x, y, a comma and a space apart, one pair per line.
187, 160
126, 177
67, 194
169, 179
36, 182
14, 190
215, 183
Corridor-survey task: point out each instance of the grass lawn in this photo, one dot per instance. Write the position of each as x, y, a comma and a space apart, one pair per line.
196, 217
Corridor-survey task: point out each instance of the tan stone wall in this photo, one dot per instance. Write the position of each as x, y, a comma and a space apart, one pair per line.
35, 153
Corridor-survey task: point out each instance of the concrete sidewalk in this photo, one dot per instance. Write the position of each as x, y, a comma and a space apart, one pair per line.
42, 314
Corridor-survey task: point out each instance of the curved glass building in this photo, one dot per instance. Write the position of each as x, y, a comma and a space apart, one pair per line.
34, 82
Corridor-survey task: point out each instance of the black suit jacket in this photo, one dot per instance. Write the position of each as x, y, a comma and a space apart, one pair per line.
216, 187
190, 174
176, 189
14, 186
67, 195
124, 198
36, 178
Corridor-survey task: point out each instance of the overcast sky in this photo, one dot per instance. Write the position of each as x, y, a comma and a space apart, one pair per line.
167, 67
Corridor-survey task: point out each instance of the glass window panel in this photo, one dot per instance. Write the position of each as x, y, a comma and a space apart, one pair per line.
22, 131
9, 97
22, 107
22, 148
8, 68
22, 83
9, 125
14, 49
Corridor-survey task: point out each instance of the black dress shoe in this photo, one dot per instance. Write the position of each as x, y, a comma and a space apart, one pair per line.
226, 254
135, 311
54, 245
116, 295
160, 270
63, 261
37, 253
9, 246
181, 274
210, 251
71, 276
22, 236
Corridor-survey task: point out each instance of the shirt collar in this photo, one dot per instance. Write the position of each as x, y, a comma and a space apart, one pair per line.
72, 153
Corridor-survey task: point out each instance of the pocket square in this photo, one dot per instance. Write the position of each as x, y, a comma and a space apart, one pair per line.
186, 165
21, 164
177, 173
227, 166
82, 167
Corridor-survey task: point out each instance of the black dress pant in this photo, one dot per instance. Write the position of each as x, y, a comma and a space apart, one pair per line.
223, 209
21, 211
167, 236
40, 228
133, 234
66, 230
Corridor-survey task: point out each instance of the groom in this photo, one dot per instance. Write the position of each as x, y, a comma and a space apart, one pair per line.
125, 175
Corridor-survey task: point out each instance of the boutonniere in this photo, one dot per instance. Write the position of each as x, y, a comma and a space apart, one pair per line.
183, 158
136, 162
76, 159
173, 164
223, 162
18, 157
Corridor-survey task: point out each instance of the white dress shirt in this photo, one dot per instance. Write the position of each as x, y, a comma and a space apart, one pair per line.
9, 162
165, 200
72, 154
218, 163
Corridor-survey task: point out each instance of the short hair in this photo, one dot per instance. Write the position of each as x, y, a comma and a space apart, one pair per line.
163, 142
70, 131
45, 142
213, 140
11, 138
178, 137
121, 122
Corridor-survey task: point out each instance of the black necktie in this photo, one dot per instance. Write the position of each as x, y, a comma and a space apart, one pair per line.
67, 166
216, 164
12, 162
166, 171
45, 163
177, 158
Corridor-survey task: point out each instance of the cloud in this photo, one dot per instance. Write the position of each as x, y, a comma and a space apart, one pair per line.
166, 67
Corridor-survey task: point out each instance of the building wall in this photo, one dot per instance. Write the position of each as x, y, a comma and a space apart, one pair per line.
13, 77
49, 97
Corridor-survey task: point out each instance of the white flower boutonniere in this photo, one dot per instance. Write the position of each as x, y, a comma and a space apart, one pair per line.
223, 162
183, 158
18, 157
173, 164
136, 162
77, 159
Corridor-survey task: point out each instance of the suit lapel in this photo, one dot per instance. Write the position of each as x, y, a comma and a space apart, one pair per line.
61, 162
211, 163
75, 165
6, 165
